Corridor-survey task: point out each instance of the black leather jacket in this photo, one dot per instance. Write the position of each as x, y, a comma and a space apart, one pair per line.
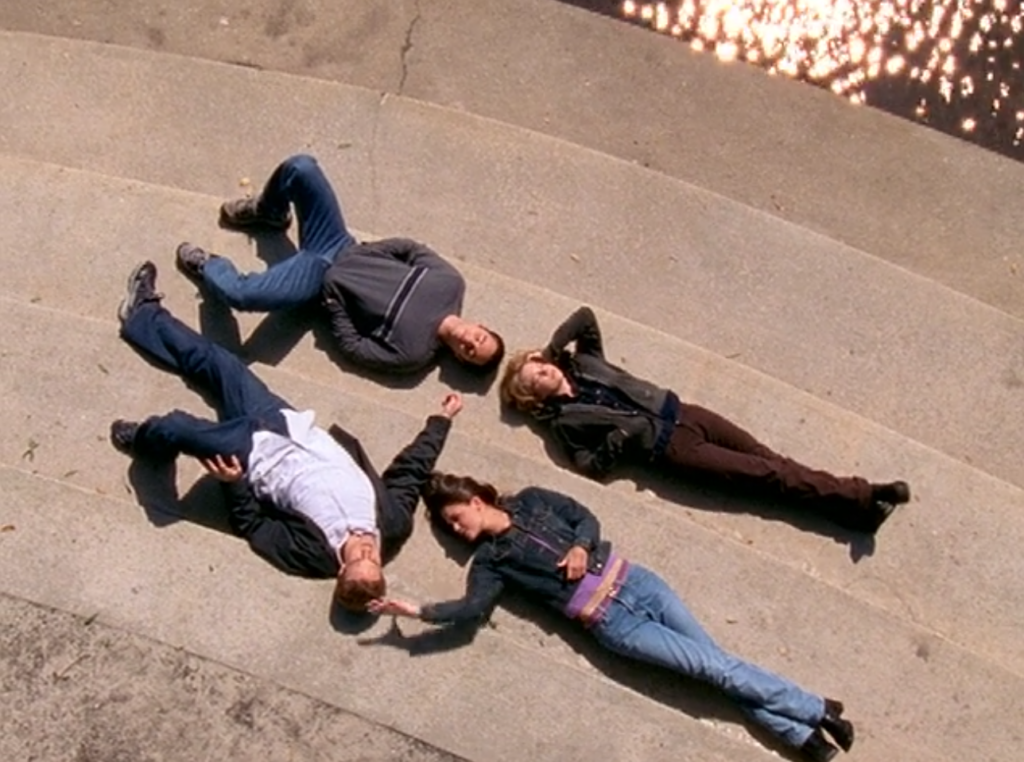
295, 545
596, 437
545, 525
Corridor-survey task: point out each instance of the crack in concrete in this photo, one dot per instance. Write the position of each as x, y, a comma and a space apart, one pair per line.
372, 160
407, 46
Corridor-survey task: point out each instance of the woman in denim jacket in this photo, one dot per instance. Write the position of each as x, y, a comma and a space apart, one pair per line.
602, 416
549, 546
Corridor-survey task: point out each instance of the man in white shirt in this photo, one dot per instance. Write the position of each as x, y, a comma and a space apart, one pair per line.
307, 500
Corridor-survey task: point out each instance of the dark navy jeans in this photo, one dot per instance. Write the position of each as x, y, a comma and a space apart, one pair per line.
244, 404
322, 234
647, 621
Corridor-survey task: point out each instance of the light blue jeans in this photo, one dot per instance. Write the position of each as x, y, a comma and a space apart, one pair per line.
647, 621
322, 234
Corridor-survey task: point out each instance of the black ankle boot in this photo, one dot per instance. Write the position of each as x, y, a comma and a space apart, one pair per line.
896, 493
817, 749
841, 730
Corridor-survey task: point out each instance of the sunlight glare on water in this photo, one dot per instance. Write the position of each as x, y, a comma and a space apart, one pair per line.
952, 65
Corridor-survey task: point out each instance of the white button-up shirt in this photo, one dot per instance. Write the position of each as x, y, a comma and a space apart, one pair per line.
309, 473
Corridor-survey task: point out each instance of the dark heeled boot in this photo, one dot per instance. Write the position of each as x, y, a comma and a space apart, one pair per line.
841, 730
817, 749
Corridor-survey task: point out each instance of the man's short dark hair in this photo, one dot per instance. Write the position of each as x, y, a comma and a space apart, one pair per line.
485, 369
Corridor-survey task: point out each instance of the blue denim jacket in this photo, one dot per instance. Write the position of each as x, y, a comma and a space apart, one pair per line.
545, 525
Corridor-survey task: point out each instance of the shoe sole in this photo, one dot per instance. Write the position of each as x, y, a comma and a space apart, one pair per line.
124, 308
255, 224
186, 270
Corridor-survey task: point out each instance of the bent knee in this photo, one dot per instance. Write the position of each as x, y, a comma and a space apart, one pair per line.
300, 162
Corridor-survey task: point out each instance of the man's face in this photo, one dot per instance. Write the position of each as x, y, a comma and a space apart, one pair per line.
361, 558
472, 343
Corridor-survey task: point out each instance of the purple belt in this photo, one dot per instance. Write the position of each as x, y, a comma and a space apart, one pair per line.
595, 592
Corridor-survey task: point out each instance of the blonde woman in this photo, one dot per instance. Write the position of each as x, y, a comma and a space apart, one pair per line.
604, 416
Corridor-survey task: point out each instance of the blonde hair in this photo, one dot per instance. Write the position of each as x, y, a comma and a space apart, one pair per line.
514, 392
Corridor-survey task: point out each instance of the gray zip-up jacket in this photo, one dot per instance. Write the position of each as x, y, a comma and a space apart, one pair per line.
386, 300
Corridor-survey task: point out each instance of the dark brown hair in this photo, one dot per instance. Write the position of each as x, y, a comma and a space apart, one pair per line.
355, 594
442, 490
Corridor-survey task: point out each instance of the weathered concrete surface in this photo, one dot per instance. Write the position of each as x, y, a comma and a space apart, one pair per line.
891, 346
914, 197
920, 638
917, 695
75, 689
944, 563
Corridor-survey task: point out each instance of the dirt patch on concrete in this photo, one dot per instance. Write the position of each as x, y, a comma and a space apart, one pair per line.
78, 690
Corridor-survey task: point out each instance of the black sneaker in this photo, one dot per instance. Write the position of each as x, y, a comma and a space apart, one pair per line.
122, 436
896, 493
245, 214
817, 749
191, 260
141, 289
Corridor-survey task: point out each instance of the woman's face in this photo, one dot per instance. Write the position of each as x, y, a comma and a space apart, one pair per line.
540, 377
465, 519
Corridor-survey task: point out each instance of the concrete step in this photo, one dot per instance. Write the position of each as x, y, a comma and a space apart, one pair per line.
202, 592
123, 696
884, 343
948, 562
916, 198
80, 545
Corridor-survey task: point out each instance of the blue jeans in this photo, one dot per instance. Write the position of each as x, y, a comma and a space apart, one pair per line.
322, 234
244, 404
647, 621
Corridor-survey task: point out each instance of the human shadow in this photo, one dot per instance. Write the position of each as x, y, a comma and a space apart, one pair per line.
156, 489
705, 495
277, 334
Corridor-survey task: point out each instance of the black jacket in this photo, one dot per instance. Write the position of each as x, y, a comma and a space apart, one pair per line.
295, 545
596, 437
545, 525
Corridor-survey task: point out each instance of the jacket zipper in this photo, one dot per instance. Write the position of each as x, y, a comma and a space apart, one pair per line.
539, 541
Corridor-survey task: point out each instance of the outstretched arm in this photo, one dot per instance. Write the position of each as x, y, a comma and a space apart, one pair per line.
411, 468
580, 327
483, 587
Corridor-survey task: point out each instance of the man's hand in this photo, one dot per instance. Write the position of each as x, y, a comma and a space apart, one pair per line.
574, 563
229, 470
451, 405
393, 607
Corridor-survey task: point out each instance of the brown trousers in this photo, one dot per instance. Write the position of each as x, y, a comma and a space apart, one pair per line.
706, 445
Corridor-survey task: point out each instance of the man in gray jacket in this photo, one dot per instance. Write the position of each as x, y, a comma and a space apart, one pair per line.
393, 304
